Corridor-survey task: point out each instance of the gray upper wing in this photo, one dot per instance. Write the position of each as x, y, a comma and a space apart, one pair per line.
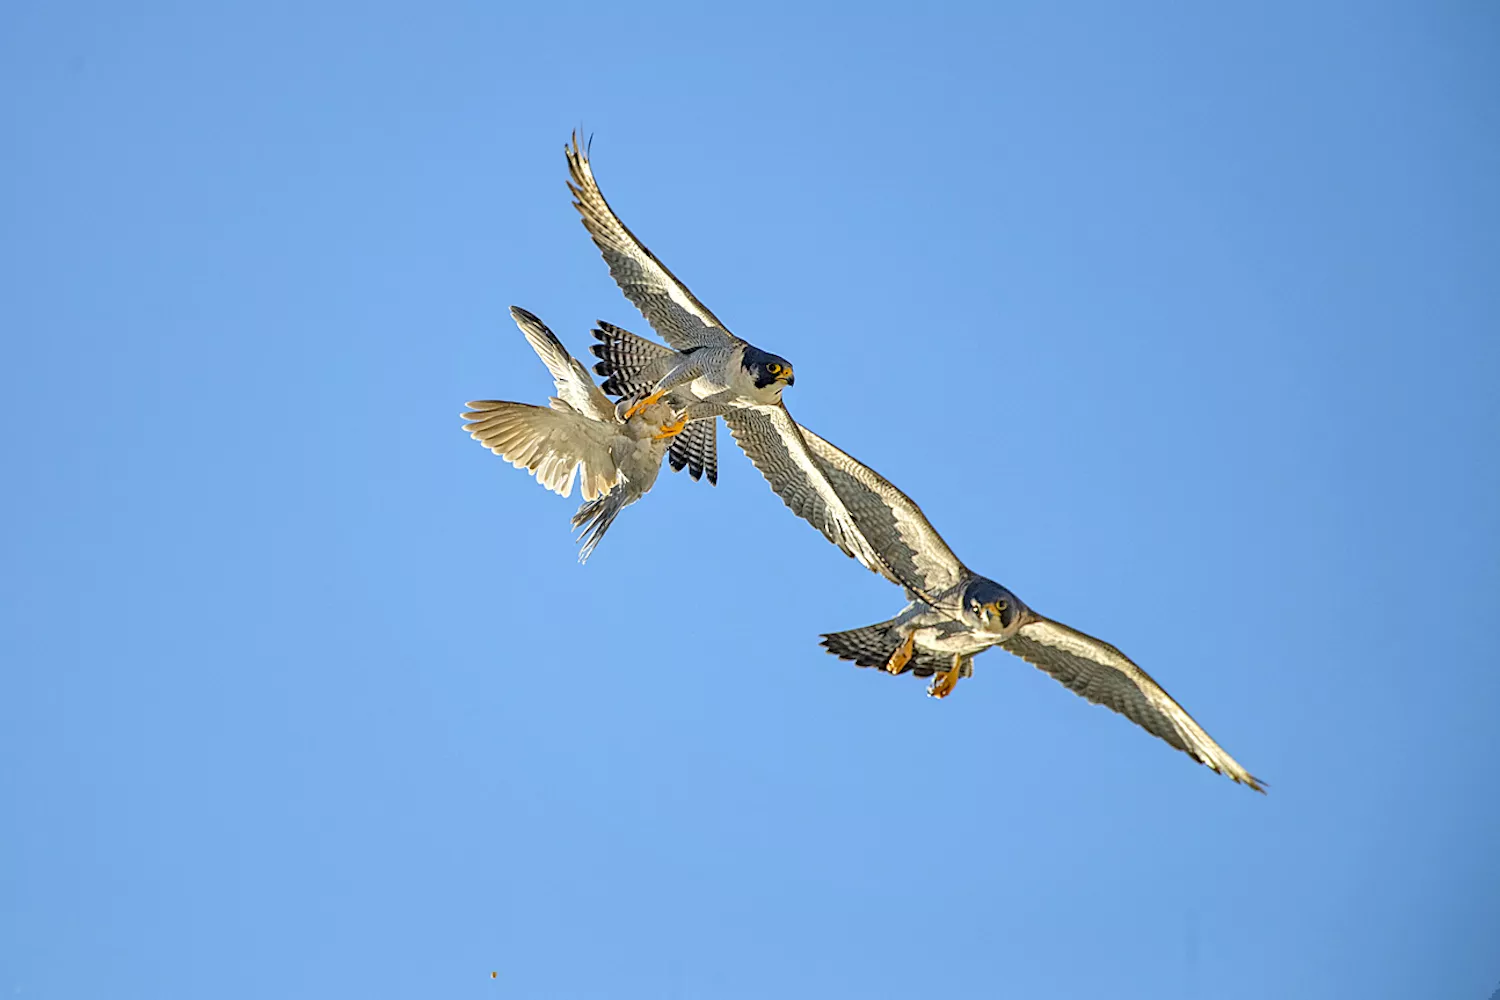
673, 311
575, 386
772, 440
1106, 676
913, 554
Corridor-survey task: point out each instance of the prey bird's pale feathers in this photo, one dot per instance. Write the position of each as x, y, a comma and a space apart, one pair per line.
955, 614
706, 371
580, 435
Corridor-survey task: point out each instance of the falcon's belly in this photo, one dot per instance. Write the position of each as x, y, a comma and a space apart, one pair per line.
952, 639
936, 632
707, 389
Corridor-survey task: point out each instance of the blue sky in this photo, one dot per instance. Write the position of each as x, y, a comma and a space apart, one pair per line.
1180, 323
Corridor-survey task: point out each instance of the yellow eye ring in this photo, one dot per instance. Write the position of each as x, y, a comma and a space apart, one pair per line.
773, 368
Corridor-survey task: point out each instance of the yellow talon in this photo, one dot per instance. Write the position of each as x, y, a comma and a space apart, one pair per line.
942, 685
671, 430
640, 405
902, 656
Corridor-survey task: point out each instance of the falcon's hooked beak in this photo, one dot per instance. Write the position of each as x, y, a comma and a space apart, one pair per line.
787, 377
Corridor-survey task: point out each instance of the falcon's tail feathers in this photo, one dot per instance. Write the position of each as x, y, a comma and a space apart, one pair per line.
870, 646
625, 359
594, 519
628, 364
697, 450
874, 645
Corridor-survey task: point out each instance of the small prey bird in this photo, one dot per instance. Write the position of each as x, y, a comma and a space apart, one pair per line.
616, 456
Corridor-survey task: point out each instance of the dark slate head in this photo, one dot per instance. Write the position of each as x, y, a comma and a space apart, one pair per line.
997, 609
767, 369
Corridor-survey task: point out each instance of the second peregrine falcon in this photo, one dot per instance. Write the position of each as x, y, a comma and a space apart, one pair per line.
616, 458
956, 614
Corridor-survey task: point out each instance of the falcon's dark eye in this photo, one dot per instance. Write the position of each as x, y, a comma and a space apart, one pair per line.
773, 368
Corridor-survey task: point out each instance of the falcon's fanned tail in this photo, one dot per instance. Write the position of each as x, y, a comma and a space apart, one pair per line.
874, 645
625, 363
870, 646
696, 448
625, 359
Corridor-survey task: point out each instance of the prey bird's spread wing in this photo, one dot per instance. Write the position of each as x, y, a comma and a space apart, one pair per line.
673, 311
575, 386
1106, 676
774, 443
550, 444
913, 554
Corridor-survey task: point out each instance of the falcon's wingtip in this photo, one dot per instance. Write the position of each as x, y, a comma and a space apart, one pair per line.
1252, 782
1237, 774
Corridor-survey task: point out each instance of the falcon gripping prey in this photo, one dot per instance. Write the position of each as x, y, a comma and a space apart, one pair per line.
707, 371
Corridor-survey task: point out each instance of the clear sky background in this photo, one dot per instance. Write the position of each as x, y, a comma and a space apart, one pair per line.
1180, 323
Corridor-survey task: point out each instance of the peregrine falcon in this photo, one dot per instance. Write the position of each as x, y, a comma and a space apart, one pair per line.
955, 614
707, 372
616, 457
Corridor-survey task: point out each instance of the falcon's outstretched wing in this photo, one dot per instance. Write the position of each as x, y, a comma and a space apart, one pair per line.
575, 386
912, 553
771, 438
673, 311
1106, 676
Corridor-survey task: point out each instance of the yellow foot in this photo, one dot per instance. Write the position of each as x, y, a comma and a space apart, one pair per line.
671, 430
641, 404
942, 685
902, 656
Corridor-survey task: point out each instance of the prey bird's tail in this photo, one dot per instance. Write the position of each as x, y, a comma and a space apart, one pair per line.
595, 517
874, 645
626, 361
